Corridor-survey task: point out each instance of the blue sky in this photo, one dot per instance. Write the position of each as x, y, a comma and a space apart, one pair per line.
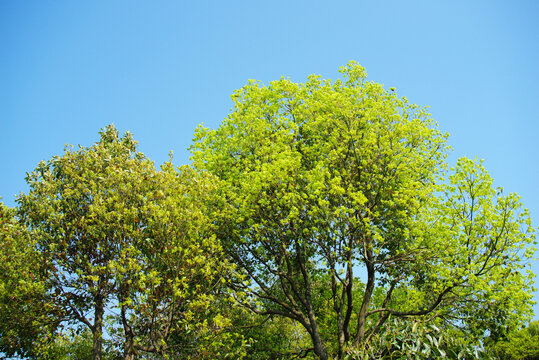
68, 68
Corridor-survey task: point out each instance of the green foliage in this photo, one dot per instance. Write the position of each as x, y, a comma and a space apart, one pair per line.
120, 239
177, 276
84, 208
28, 316
274, 338
326, 180
519, 345
320, 220
414, 340
486, 240
69, 345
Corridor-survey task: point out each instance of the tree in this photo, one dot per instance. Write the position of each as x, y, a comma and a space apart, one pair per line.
123, 241
28, 315
416, 340
176, 303
70, 345
518, 345
330, 180
84, 207
272, 337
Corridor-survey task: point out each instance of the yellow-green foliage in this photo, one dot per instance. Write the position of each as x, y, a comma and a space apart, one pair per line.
28, 314
128, 241
328, 180
326, 208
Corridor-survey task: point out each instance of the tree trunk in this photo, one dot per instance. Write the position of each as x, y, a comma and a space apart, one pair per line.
319, 348
340, 334
318, 344
129, 344
129, 349
97, 331
362, 316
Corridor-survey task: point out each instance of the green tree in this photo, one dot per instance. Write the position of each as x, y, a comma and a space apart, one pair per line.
70, 345
274, 338
329, 180
408, 340
175, 302
126, 242
28, 316
84, 208
518, 345
178, 305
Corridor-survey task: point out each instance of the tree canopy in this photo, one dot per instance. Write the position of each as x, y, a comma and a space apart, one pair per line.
120, 239
329, 181
320, 220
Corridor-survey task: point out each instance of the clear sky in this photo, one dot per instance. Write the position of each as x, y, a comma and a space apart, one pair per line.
159, 68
